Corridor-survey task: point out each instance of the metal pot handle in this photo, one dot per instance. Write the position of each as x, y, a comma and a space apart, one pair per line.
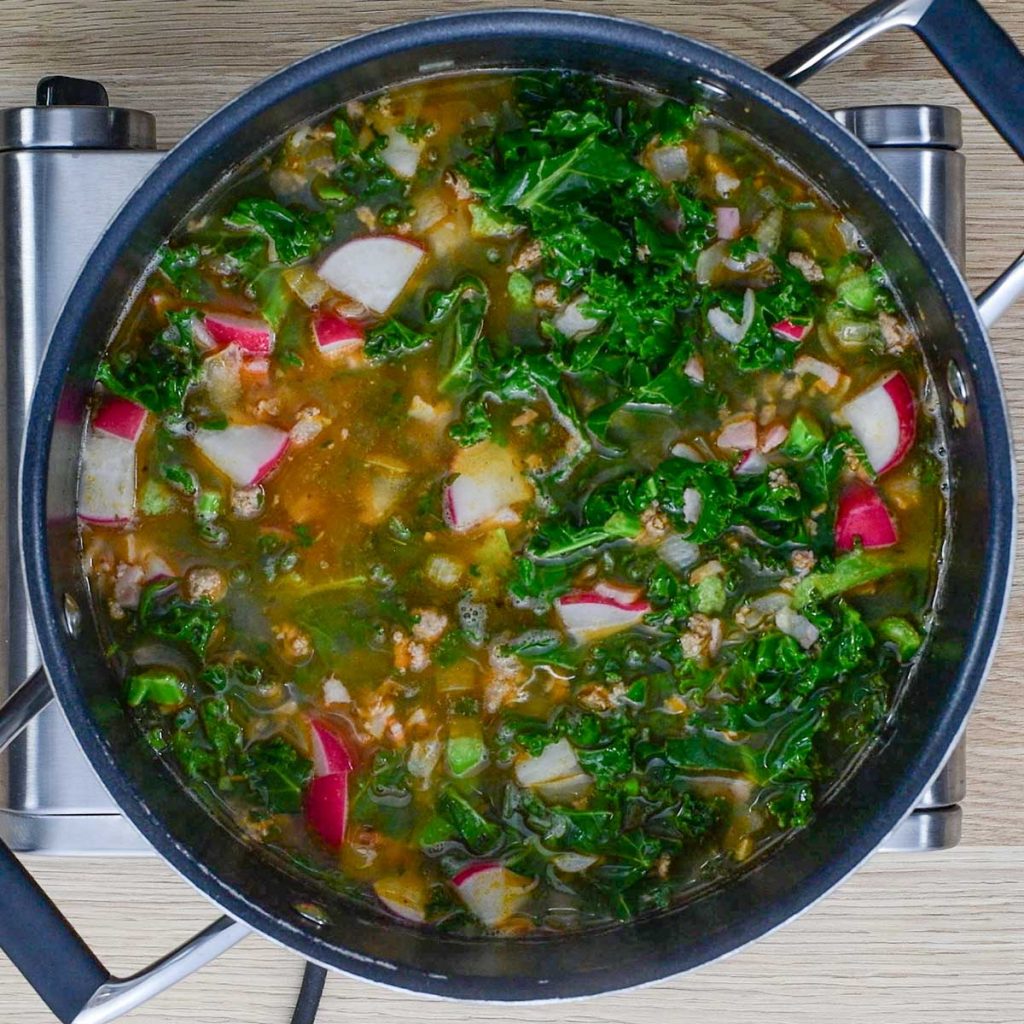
48, 951
982, 59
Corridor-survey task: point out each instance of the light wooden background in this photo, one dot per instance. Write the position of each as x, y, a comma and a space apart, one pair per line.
931, 940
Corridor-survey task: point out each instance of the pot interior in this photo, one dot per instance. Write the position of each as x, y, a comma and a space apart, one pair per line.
251, 882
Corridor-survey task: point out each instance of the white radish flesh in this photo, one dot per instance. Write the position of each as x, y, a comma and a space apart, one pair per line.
487, 484
587, 615
884, 419
573, 322
106, 487
555, 761
491, 892
401, 154
245, 454
372, 270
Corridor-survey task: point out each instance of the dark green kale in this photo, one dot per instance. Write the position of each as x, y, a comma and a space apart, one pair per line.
275, 774
159, 375
181, 267
296, 234
164, 615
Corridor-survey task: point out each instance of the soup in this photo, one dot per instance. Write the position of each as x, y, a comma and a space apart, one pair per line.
511, 500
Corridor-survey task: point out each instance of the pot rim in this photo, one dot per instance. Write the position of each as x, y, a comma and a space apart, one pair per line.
576, 30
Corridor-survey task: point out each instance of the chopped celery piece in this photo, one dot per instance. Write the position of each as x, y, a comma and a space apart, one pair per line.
466, 751
853, 570
901, 633
208, 506
520, 290
858, 292
156, 499
488, 224
435, 830
711, 595
156, 685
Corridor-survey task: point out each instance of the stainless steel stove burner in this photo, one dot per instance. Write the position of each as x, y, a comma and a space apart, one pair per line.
66, 165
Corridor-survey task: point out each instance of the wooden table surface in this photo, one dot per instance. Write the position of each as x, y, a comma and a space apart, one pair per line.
933, 939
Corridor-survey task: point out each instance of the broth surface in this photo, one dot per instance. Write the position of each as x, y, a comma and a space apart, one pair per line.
545, 554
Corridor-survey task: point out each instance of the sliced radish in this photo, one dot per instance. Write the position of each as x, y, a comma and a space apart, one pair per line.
727, 222
373, 270
201, 336
401, 154
828, 374
403, 895
336, 334
487, 484
862, 516
791, 331
246, 454
574, 323
884, 420
330, 755
751, 463
739, 435
327, 807
252, 335
587, 615
106, 488
120, 418
491, 892
773, 437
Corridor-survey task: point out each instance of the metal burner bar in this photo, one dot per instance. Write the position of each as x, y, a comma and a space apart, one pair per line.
920, 146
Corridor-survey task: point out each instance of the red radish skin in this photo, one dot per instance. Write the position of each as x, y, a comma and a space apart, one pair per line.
751, 463
337, 334
330, 754
327, 807
491, 891
791, 331
589, 615
106, 495
254, 337
862, 516
473, 869
120, 417
727, 222
246, 454
884, 419
373, 270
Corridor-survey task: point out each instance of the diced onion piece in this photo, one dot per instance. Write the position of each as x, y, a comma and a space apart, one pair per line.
682, 450
727, 222
694, 369
828, 374
556, 761
739, 435
670, 163
728, 329
795, 625
773, 437
573, 863
401, 154
693, 504
677, 552
574, 323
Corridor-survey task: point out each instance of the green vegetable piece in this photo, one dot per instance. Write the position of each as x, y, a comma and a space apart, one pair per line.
473, 828
852, 570
155, 685
434, 831
275, 775
465, 750
488, 224
859, 292
804, 436
163, 614
155, 499
520, 291
901, 633
208, 506
295, 234
711, 595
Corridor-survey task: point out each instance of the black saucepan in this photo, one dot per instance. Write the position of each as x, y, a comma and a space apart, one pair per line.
246, 882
